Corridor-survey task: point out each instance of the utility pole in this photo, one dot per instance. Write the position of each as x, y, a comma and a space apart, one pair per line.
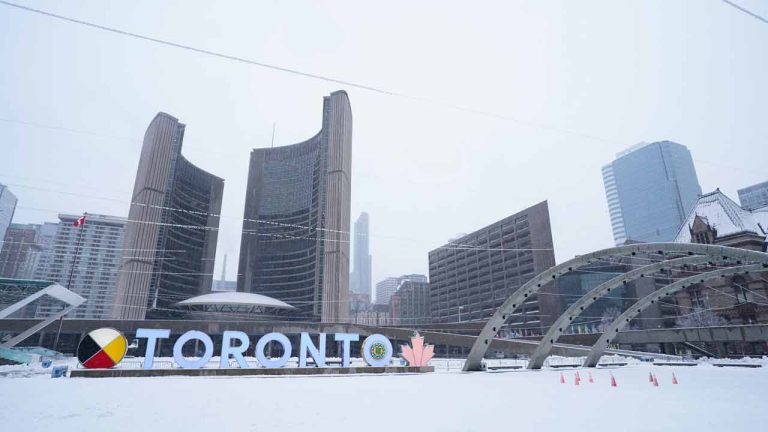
80, 222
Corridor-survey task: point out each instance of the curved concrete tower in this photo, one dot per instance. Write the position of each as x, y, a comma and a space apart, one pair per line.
170, 237
295, 241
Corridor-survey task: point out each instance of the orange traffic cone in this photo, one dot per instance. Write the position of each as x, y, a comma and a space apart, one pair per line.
650, 377
655, 381
562, 378
591, 381
613, 381
674, 378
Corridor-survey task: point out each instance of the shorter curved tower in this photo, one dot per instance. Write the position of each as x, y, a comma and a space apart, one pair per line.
295, 240
172, 229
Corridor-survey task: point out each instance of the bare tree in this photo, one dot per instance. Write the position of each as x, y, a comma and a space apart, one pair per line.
701, 318
609, 316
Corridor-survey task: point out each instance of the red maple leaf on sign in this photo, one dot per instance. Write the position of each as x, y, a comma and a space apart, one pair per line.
419, 355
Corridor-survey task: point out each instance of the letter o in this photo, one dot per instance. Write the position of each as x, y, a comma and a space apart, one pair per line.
377, 350
262, 343
186, 337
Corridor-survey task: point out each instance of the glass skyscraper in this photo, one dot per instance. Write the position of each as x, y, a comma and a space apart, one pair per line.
755, 196
650, 189
7, 208
361, 276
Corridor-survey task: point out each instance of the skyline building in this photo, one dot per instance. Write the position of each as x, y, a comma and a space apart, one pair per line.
411, 303
387, 287
97, 246
20, 251
295, 239
7, 209
170, 239
754, 197
360, 282
471, 282
224, 285
46, 238
650, 188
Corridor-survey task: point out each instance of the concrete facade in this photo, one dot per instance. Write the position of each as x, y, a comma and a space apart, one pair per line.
410, 305
295, 239
19, 253
473, 275
93, 265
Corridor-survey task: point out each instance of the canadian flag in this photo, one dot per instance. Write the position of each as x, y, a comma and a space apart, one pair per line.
79, 221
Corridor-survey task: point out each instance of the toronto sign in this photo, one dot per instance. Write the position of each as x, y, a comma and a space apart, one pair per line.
105, 348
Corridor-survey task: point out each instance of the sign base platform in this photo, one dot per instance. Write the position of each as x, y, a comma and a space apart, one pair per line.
138, 373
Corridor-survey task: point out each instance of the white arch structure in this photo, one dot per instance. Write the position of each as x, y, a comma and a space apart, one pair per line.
563, 321
72, 300
622, 320
706, 252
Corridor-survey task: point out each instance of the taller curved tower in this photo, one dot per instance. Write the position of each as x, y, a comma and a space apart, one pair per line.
170, 237
295, 240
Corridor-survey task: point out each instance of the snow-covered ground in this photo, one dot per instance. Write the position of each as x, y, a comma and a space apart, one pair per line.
707, 398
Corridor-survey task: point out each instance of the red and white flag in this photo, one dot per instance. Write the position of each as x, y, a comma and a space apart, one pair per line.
79, 221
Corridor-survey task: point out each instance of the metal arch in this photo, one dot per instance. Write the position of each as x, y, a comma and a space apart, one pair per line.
491, 328
71, 298
600, 346
544, 348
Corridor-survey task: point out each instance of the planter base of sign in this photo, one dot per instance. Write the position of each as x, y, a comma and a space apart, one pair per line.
136, 373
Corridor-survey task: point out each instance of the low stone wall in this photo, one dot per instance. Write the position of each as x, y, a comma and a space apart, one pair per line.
136, 373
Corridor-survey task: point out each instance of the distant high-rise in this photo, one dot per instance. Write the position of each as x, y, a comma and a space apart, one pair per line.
386, 288
95, 271
650, 188
361, 275
411, 303
469, 278
19, 253
45, 258
170, 239
295, 242
755, 196
7, 208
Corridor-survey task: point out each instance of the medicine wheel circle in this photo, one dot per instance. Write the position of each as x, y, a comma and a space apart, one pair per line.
102, 349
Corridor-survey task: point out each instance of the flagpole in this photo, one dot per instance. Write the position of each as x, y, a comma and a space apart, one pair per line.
71, 273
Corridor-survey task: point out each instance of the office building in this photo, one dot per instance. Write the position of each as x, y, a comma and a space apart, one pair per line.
45, 239
470, 282
754, 197
650, 188
20, 251
389, 286
86, 260
7, 208
170, 239
410, 305
360, 279
295, 240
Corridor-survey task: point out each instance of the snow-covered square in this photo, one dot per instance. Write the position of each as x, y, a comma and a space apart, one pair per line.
707, 398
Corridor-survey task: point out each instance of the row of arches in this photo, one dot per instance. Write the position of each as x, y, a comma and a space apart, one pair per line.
672, 255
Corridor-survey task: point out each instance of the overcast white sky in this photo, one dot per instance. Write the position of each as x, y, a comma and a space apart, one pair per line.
626, 71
